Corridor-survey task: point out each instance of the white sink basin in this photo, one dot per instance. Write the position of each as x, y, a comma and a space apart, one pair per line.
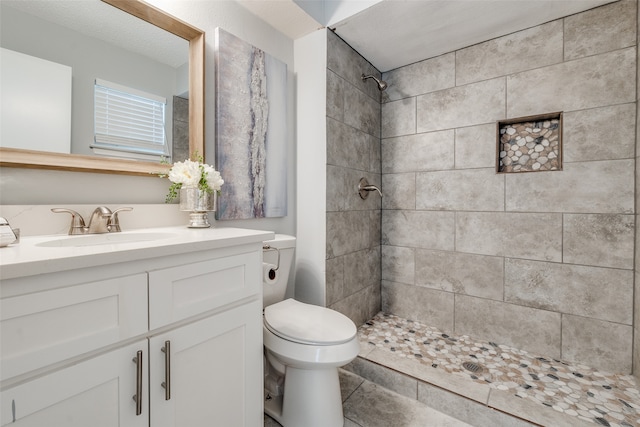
104, 239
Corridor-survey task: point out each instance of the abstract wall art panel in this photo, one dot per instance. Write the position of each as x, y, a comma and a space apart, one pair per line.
251, 130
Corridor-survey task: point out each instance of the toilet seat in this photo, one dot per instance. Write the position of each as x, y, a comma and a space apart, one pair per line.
308, 324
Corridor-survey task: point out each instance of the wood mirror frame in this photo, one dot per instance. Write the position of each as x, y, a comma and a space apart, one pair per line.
14, 157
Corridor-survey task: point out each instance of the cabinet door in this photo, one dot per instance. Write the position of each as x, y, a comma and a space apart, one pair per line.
43, 328
215, 371
97, 392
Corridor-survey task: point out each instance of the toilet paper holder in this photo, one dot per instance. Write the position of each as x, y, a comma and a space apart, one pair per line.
267, 247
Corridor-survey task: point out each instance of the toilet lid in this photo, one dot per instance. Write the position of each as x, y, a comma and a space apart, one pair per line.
308, 324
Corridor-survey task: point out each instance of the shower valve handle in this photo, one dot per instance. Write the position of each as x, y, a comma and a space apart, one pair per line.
364, 188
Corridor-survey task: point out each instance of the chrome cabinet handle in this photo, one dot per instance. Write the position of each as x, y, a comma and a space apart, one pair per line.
138, 396
167, 370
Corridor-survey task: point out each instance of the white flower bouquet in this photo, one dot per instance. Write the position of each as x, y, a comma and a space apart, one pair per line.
193, 174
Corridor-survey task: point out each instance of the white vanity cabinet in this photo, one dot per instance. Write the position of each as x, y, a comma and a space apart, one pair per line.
215, 378
167, 340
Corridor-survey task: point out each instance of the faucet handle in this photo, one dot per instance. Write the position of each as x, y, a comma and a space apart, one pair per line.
114, 222
77, 222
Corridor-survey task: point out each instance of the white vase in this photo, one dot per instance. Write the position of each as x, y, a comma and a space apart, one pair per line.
198, 202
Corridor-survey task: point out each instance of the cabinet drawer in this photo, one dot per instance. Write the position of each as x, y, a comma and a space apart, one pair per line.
177, 293
48, 327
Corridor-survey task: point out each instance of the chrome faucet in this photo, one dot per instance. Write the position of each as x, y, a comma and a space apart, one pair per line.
102, 221
99, 220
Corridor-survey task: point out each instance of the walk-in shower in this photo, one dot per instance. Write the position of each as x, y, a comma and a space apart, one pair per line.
382, 85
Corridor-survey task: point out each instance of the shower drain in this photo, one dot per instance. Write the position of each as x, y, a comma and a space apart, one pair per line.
472, 367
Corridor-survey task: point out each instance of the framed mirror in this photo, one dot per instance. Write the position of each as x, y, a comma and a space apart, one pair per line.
29, 158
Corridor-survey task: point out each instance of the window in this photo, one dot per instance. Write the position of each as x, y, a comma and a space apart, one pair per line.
128, 123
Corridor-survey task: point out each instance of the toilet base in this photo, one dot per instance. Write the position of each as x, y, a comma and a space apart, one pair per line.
311, 399
273, 406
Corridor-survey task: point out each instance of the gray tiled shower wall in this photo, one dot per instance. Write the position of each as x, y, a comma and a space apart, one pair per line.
353, 152
543, 261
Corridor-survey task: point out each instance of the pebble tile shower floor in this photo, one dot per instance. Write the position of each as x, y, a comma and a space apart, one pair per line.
602, 398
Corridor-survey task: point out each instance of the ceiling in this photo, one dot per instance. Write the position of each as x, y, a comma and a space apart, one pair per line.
388, 33
102, 21
394, 33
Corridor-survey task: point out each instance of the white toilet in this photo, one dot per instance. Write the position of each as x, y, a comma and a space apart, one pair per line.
304, 347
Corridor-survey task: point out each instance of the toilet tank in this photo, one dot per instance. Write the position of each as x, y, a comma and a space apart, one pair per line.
274, 281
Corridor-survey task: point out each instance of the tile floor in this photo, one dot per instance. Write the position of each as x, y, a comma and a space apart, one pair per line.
409, 374
366, 404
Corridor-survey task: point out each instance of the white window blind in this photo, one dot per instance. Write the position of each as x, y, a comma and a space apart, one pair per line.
128, 122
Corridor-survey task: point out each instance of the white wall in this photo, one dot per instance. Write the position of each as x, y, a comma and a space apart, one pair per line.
36, 187
311, 78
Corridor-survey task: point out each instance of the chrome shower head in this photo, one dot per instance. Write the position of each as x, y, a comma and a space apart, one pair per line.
382, 85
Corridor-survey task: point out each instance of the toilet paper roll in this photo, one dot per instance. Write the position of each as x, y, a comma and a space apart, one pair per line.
269, 273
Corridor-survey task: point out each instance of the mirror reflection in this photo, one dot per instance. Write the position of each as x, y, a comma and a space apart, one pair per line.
57, 56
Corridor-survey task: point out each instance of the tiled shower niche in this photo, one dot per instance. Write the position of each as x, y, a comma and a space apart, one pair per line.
530, 144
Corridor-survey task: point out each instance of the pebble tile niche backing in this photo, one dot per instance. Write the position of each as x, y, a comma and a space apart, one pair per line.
530, 144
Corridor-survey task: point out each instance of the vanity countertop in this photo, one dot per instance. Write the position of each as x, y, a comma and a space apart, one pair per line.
48, 254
